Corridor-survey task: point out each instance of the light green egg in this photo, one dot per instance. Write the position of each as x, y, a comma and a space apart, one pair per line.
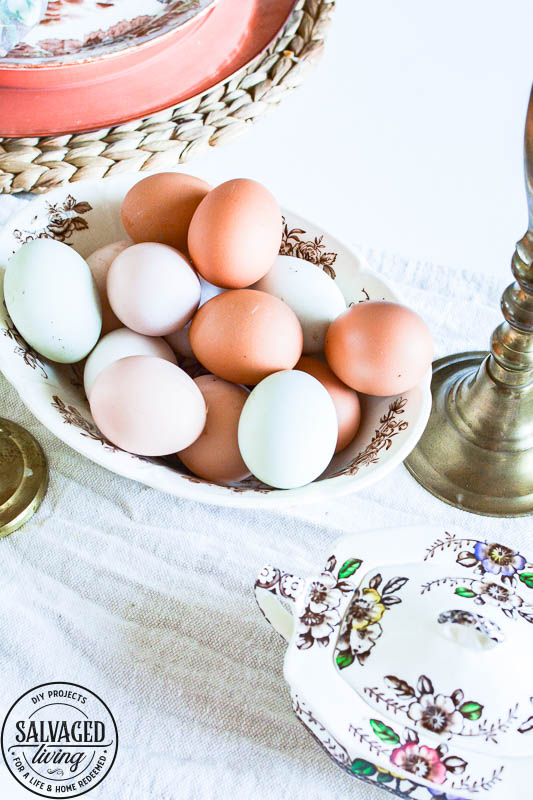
53, 301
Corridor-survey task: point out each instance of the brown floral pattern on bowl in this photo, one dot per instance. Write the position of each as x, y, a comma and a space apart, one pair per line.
313, 250
63, 220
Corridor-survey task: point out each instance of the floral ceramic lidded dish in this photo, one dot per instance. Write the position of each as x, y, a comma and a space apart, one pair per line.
409, 659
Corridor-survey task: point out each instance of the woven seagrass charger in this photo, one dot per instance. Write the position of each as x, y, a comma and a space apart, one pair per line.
179, 133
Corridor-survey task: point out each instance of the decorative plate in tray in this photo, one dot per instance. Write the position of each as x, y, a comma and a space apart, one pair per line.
77, 30
48, 98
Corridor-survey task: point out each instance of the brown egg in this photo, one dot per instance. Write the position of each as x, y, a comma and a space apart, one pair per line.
99, 263
379, 348
345, 400
160, 208
215, 455
245, 335
235, 234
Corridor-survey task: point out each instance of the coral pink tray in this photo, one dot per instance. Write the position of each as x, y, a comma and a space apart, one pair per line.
46, 99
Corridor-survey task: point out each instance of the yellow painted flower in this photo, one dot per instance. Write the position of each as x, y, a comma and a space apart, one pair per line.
367, 609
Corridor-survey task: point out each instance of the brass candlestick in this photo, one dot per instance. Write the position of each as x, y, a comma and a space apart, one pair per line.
477, 450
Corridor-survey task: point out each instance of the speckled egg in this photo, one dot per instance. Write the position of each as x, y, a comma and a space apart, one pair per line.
379, 348
53, 300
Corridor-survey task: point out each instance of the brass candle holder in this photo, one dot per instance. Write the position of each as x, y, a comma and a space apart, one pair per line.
23, 476
477, 450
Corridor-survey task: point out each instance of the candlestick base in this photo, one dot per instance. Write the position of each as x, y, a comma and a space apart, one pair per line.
477, 450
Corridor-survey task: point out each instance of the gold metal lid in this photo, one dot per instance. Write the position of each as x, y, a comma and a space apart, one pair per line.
23, 476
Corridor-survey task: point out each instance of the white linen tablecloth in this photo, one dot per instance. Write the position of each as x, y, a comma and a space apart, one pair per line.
147, 600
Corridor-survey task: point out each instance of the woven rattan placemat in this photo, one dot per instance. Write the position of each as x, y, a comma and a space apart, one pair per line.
177, 134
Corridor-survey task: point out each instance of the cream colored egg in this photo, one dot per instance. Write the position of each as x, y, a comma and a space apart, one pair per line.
312, 294
99, 262
121, 344
153, 289
147, 406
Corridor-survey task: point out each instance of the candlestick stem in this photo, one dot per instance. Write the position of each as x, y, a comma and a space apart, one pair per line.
477, 450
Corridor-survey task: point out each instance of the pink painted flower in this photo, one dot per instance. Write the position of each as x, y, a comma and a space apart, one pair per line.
422, 761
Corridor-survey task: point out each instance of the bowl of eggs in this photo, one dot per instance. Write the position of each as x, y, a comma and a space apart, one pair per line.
207, 343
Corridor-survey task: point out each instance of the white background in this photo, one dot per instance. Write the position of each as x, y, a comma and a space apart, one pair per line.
408, 138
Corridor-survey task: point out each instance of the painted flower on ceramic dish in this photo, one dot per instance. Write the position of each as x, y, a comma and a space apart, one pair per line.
316, 626
362, 630
320, 616
361, 642
63, 221
490, 558
361, 626
323, 594
420, 760
498, 559
430, 764
366, 609
290, 585
496, 595
437, 713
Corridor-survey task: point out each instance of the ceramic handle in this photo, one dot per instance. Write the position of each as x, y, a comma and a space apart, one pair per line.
271, 585
489, 634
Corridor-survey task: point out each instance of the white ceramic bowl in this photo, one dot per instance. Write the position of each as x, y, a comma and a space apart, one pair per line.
86, 215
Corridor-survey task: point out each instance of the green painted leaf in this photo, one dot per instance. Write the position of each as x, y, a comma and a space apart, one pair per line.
384, 777
349, 567
471, 710
527, 578
344, 659
462, 591
362, 767
383, 732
